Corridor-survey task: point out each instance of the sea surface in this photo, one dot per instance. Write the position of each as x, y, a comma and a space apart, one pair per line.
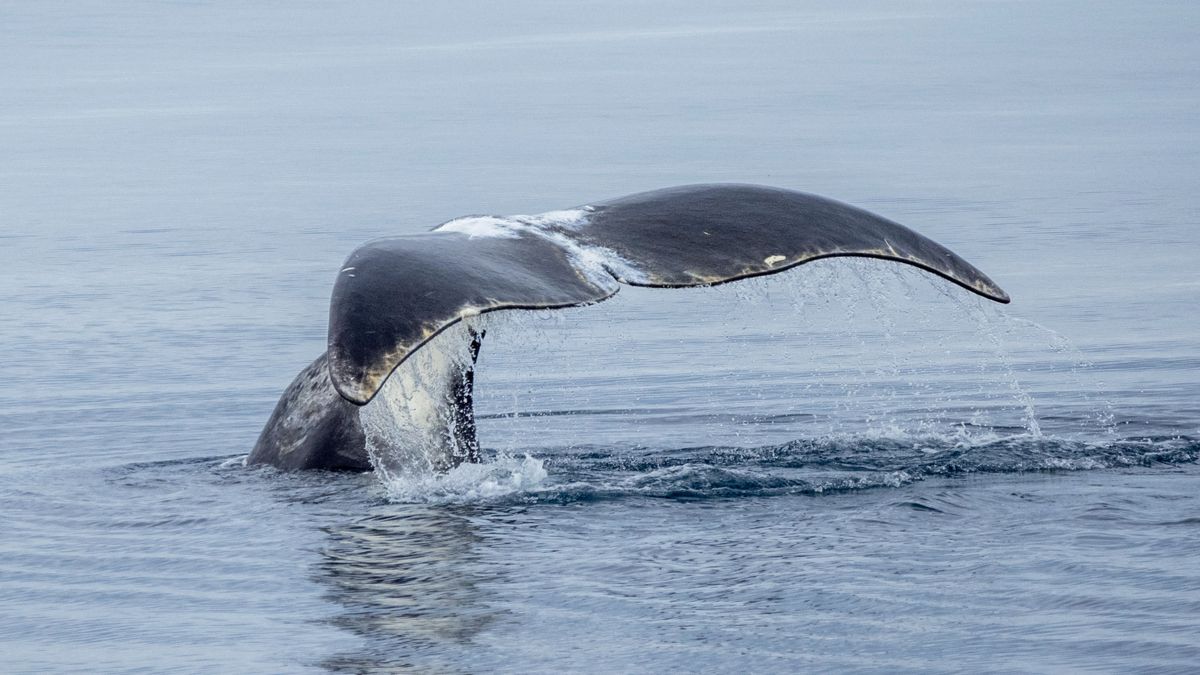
849, 467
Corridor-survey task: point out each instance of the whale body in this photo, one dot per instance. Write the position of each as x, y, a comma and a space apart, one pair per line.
394, 295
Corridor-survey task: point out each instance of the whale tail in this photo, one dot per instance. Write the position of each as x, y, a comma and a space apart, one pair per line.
394, 295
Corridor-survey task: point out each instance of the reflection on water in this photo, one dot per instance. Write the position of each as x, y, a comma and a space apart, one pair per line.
955, 571
409, 582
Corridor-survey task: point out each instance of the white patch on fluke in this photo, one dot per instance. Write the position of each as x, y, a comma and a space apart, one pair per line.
482, 226
563, 218
511, 227
771, 260
599, 264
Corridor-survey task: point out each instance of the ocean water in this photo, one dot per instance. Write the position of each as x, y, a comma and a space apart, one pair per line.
848, 467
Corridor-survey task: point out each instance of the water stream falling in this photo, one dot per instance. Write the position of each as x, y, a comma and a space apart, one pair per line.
415, 449
836, 359
410, 425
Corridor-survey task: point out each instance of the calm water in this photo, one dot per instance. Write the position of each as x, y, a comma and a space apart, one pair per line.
852, 467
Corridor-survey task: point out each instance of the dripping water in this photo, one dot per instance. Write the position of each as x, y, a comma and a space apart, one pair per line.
867, 351
412, 440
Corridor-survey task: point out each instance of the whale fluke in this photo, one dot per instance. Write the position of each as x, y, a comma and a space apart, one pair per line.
394, 295
702, 235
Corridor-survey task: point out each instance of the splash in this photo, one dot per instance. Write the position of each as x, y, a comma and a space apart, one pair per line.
412, 440
883, 356
502, 477
839, 464
915, 355
411, 424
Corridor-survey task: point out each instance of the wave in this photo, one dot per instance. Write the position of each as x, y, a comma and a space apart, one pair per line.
800, 467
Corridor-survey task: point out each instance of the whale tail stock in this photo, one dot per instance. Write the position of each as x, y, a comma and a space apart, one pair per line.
394, 295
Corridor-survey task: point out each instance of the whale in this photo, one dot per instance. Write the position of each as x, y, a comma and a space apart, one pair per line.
394, 297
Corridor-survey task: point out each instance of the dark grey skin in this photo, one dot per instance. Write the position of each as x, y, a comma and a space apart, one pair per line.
400, 293
703, 235
313, 427
394, 295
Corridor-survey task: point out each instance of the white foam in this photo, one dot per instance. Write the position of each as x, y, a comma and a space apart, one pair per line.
503, 476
